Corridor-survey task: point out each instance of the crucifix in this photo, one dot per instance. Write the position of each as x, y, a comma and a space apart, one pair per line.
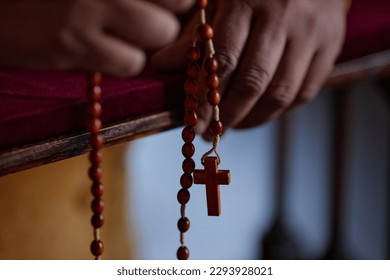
212, 178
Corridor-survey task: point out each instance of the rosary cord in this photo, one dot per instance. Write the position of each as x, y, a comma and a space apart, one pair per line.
95, 158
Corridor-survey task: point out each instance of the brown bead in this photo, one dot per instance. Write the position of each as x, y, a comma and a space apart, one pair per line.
96, 78
183, 196
97, 220
193, 71
188, 134
191, 103
202, 4
216, 127
190, 118
191, 87
206, 31
95, 172
96, 94
97, 189
97, 206
95, 157
183, 224
95, 110
188, 150
212, 81
211, 65
188, 165
213, 97
183, 253
193, 54
97, 248
186, 181
94, 125
96, 140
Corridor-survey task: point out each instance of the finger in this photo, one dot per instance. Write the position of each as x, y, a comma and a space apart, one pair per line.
113, 56
284, 86
232, 24
175, 5
318, 72
256, 70
142, 23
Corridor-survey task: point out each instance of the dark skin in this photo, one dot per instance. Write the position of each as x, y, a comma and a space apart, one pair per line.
274, 54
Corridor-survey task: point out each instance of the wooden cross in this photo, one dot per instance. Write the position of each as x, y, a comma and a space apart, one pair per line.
212, 178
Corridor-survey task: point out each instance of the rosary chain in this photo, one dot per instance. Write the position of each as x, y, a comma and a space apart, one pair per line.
95, 158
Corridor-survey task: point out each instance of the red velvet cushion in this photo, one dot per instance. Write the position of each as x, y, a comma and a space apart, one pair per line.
36, 105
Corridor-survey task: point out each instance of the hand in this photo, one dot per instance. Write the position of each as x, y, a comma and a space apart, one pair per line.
98, 35
273, 55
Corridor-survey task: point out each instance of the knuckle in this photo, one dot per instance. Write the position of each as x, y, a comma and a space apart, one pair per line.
227, 61
280, 97
253, 81
307, 94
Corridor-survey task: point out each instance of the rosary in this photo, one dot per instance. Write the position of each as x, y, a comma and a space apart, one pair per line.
210, 176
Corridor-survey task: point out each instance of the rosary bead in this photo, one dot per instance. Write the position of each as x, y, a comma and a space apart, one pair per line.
216, 127
183, 253
188, 150
191, 103
97, 248
202, 4
186, 181
188, 165
95, 157
206, 31
191, 87
188, 134
97, 206
96, 94
193, 54
193, 71
183, 224
97, 189
95, 125
96, 78
97, 220
96, 140
214, 97
212, 81
190, 118
95, 110
95, 172
211, 65
183, 196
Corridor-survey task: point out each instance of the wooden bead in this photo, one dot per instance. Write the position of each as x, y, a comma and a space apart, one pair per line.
97, 189
191, 87
214, 97
94, 125
193, 54
188, 150
212, 81
188, 165
183, 253
183, 196
206, 31
190, 118
186, 181
188, 134
95, 157
97, 206
97, 248
96, 140
97, 220
216, 127
193, 71
95, 172
202, 4
95, 110
183, 224
96, 94
96, 78
211, 65
191, 103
